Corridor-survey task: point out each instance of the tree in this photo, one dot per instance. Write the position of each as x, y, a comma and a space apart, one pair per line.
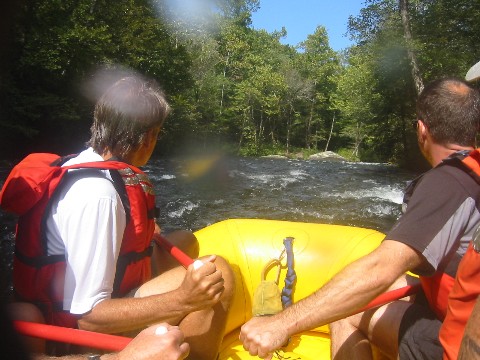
356, 100
318, 63
55, 47
417, 77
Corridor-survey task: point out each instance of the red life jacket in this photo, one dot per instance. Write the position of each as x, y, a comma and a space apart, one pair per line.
438, 286
466, 287
39, 278
461, 300
436, 289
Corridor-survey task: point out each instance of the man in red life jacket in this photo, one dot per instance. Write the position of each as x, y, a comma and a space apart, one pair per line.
462, 299
470, 346
442, 213
85, 258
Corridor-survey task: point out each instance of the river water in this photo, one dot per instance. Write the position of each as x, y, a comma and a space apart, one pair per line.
192, 194
358, 194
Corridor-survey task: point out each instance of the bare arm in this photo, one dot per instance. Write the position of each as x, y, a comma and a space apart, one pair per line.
355, 286
200, 288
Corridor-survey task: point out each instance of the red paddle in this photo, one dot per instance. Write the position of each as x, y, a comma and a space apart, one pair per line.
178, 254
390, 296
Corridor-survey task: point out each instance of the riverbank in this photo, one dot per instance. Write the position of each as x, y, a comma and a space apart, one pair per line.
325, 155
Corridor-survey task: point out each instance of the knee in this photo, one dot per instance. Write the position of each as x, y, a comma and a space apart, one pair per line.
338, 326
186, 241
343, 326
25, 312
28, 312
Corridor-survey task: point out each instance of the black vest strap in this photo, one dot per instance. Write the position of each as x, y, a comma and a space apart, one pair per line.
122, 192
38, 262
122, 264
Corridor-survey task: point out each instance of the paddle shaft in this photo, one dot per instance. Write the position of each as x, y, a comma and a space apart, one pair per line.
72, 336
390, 296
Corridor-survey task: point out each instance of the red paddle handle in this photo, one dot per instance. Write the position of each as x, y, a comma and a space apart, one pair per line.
391, 295
178, 254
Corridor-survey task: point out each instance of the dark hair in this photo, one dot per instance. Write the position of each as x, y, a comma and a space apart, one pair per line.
450, 109
125, 113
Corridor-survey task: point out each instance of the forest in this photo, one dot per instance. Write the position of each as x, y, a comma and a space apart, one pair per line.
232, 88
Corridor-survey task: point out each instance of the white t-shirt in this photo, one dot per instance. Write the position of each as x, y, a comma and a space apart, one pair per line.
88, 222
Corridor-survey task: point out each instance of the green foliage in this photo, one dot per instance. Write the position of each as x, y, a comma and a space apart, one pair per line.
348, 154
230, 85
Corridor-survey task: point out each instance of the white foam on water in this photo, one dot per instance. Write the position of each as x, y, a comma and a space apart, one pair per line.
279, 181
387, 193
309, 213
187, 207
167, 177
381, 209
299, 173
235, 173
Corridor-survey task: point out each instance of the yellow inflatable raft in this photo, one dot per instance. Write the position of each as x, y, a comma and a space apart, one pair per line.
320, 251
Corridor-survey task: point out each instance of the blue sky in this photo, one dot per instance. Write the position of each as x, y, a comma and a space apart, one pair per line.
301, 17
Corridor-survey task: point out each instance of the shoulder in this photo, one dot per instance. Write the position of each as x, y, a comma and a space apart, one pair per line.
86, 155
88, 183
448, 179
92, 187
91, 196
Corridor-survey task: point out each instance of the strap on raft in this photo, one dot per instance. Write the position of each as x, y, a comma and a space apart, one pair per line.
291, 276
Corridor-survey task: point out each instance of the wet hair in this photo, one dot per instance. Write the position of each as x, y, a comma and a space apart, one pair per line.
124, 115
450, 109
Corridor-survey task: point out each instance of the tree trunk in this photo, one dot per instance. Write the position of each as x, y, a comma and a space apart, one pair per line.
358, 139
330, 135
242, 133
261, 129
417, 77
289, 126
308, 127
223, 84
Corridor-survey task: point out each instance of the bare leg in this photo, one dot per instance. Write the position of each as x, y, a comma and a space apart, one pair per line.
203, 329
28, 312
353, 337
384, 327
348, 342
